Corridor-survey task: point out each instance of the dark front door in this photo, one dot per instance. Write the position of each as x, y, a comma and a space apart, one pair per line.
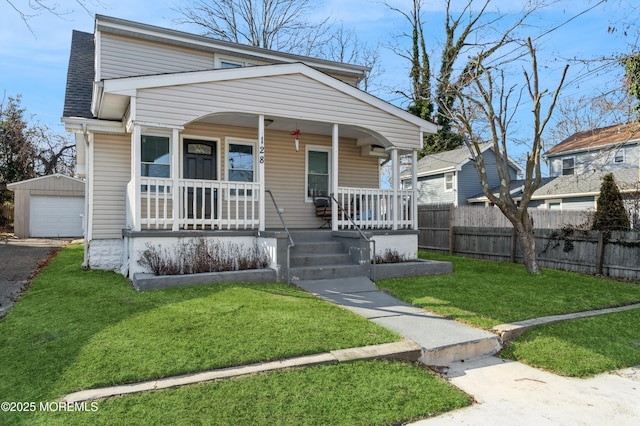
200, 162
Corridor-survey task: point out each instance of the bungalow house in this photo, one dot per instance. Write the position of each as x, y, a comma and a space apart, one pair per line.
451, 176
180, 135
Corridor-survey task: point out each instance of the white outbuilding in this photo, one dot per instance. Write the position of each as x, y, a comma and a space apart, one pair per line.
48, 207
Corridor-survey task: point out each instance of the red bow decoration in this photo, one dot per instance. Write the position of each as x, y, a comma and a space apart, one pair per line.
296, 134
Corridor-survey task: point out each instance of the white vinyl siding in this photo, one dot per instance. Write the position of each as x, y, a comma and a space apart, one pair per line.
285, 169
125, 57
280, 95
111, 174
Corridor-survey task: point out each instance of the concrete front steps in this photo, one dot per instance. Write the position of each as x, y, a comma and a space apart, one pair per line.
443, 341
316, 255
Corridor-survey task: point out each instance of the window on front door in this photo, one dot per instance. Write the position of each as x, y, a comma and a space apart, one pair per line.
317, 173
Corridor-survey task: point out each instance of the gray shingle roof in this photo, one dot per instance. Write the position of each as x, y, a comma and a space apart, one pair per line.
587, 183
80, 74
441, 161
516, 184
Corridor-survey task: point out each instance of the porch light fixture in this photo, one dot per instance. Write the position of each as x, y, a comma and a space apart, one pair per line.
296, 135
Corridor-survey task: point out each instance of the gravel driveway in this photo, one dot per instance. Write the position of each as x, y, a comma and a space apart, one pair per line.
19, 261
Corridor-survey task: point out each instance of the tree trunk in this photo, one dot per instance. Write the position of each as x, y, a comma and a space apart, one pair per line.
528, 245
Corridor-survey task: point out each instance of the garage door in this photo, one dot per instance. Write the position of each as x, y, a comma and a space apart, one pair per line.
53, 216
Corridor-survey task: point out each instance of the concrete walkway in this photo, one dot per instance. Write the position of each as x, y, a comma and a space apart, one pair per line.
443, 340
510, 393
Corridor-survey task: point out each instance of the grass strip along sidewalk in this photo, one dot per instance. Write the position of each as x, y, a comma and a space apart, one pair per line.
485, 294
76, 329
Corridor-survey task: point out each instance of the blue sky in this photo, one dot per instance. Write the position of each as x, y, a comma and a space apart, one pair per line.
34, 64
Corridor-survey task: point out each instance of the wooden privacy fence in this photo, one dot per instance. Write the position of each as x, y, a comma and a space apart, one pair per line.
477, 232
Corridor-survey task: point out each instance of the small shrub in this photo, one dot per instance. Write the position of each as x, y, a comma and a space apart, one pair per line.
199, 255
390, 256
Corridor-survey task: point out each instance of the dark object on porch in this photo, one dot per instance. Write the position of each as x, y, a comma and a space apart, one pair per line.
323, 209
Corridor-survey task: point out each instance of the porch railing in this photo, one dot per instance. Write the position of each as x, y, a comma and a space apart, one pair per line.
372, 208
201, 204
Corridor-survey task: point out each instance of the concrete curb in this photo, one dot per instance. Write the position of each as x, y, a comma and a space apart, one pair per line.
509, 332
404, 350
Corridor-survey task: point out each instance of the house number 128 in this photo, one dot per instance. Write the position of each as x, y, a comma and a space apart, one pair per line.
261, 151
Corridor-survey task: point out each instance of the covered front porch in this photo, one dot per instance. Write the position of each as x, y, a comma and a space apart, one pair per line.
258, 178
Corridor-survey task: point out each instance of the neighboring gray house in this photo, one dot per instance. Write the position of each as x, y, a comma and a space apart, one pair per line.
451, 176
579, 163
580, 192
605, 149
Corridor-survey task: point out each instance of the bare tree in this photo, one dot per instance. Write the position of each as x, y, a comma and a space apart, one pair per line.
29, 150
489, 98
345, 46
474, 35
589, 112
31, 8
281, 25
271, 24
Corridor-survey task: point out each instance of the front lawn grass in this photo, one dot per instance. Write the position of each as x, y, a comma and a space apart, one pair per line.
77, 329
485, 294
582, 347
355, 393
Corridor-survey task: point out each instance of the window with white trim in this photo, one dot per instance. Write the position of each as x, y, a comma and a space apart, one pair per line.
568, 166
240, 164
448, 182
619, 158
554, 205
155, 159
318, 176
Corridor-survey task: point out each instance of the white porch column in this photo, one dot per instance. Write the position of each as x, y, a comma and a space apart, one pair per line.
334, 175
175, 178
414, 190
136, 152
395, 173
261, 151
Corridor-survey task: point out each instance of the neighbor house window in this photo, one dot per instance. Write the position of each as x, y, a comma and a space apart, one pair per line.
568, 166
448, 181
229, 64
554, 205
155, 159
619, 158
240, 164
317, 173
